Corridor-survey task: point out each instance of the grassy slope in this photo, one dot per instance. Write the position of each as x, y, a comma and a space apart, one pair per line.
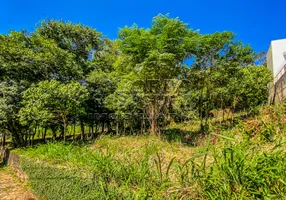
240, 159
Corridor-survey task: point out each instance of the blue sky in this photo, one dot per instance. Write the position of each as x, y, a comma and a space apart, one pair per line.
255, 22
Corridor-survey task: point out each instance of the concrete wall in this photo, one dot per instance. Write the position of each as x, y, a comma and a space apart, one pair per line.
277, 91
13, 160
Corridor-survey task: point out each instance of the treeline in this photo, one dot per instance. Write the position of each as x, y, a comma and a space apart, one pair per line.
70, 75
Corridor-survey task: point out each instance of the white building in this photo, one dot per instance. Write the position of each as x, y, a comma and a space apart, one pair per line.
276, 62
276, 58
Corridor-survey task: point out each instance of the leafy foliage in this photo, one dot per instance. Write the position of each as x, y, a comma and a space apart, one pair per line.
33, 58
66, 74
154, 57
77, 39
50, 101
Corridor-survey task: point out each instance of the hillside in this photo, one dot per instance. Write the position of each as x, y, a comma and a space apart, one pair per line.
243, 158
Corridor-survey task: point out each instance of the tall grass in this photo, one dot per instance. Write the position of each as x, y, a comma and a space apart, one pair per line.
236, 171
246, 161
106, 177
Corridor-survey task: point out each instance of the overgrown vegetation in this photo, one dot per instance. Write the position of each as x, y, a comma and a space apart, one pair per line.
160, 113
233, 162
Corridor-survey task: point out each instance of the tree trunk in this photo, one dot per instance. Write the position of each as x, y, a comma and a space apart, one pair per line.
123, 126
95, 132
207, 110
64, 133
153, 118
88, 132
102, 127
144, 124
54, 133
92, 131
44, 136
39, 132
201, 108
223, 114
74, 125
4, 140
33, 136
117, 127
82, 129
15, 133
26, 138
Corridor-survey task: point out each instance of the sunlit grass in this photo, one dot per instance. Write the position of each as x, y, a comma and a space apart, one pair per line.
241, 159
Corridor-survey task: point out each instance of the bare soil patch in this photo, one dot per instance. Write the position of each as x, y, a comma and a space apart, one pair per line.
11, 188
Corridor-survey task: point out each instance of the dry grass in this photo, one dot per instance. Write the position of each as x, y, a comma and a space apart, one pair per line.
229, 152
138, 146
11, 188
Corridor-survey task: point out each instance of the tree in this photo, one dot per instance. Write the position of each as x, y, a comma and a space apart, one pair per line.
33, 58
218, 58
11, 94
127, 104
52, 100
26, 59
64, 70
153, 57
100, 85
250, 86
82, 41
101, 82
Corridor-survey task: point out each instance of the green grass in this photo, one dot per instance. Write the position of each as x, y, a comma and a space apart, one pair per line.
103, 174
244, 159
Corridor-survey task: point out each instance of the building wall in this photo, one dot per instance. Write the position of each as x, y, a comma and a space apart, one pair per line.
276, 62
275, 58
270, 59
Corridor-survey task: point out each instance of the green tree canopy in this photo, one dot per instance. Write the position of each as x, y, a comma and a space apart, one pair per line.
51, 100
152, 57
82, 41
33, 58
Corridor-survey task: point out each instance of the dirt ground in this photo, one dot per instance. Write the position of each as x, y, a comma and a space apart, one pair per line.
11, 188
